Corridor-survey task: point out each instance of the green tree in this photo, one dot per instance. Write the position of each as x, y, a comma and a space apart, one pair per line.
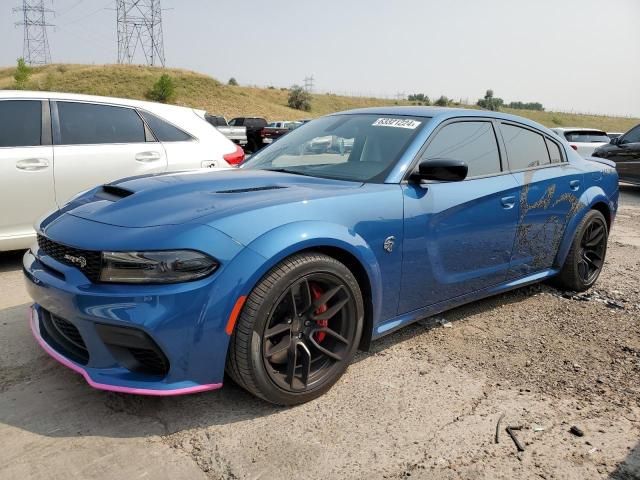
419, 97
442, 101
490, 102
233, 82
163, 90
22, 74
299, 98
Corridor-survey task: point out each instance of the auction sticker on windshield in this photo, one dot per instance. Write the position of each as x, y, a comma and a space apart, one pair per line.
396, 123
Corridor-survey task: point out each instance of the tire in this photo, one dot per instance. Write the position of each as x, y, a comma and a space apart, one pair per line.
282, 324
583, 258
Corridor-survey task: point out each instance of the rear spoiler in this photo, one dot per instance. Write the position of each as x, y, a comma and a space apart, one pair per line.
604, 161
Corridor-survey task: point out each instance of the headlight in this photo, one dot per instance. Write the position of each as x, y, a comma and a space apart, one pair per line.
155, 267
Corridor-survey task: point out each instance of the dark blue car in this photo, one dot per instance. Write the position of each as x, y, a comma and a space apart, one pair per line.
343, 231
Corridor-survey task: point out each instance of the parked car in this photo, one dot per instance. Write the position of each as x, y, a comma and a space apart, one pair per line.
54, 145
583, 140
237, 135
278, 271
254, 126
275, 130
625, 152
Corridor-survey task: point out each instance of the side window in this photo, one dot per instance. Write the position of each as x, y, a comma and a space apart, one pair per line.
232, 123
632, 137
164, 131
90, 124
554, 151
472, 142
525, 149
20, 123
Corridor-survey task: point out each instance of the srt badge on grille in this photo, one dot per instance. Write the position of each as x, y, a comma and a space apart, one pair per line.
80, 261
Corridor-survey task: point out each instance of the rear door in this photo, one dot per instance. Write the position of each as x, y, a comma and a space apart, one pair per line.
98, 143
627, 156
549, 192
459, 235
26, 166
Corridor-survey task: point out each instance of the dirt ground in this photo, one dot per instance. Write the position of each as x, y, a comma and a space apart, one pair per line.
424, 403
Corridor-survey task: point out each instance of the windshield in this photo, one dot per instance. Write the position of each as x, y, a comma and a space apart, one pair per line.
362, 147
586, 136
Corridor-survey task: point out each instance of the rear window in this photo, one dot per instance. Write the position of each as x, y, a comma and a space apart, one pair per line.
586, 136
20, 123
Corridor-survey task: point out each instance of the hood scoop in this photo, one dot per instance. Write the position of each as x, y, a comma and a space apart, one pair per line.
112, 193
252, 189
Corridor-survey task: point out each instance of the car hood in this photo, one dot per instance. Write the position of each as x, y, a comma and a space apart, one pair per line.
198, 196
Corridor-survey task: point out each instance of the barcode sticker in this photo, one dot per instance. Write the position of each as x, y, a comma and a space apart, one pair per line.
396, 123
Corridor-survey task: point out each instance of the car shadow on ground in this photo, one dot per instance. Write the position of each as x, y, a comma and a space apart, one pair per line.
48, 399
629, 468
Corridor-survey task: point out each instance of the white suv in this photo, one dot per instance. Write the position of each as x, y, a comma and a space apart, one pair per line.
55, 145
583, 140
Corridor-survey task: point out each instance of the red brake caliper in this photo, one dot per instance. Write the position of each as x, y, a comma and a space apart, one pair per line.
316, 293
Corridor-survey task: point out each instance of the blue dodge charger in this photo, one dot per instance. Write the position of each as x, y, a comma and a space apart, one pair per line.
340, 232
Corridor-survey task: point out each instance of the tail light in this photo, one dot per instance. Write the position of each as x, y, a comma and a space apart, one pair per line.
235, 158
575, 147
263, 132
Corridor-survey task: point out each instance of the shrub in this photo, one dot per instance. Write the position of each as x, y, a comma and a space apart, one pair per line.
22, 74
526, 106
490, 102
163, 90
419, 97
233, 82
299, 98
442, 101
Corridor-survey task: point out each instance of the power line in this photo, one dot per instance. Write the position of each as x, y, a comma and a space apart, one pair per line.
35, 47
139, 24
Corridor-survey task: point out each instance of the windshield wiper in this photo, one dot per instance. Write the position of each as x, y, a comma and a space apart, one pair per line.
286, 170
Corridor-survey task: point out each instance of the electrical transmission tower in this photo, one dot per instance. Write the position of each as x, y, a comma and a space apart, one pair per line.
308, 83
140, 29
35, 48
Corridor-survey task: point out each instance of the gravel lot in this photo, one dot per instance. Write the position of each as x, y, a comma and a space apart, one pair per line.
424, 403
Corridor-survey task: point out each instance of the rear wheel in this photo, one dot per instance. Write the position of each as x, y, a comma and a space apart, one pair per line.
298, 331
585, 259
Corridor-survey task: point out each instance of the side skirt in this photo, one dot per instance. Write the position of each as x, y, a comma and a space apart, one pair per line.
400, 321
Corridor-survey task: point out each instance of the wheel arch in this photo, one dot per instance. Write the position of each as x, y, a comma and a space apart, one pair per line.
335, 241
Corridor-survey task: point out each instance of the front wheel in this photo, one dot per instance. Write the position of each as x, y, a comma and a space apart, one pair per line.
585, 259
298, 330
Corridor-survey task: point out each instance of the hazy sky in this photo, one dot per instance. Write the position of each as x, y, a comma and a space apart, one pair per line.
572, 55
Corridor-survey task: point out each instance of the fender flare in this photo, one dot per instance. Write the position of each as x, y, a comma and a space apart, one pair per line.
589, 198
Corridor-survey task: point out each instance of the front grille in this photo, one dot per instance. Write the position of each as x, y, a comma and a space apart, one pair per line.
87, 261
64, 337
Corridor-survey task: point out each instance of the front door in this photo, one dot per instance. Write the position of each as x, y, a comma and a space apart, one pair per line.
26, 167
458, 236
96, 144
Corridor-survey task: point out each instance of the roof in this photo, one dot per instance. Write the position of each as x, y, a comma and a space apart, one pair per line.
442, 113
29, 94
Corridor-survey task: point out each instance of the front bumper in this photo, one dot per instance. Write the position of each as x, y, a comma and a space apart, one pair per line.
185, 321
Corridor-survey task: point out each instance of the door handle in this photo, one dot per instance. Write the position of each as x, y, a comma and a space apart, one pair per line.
574, 185
32, 164
508, 202
148, 156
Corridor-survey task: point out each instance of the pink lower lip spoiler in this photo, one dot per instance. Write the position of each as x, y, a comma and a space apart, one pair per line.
33, 318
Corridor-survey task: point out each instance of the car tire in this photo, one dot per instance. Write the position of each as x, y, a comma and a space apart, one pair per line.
260, 360
586, 256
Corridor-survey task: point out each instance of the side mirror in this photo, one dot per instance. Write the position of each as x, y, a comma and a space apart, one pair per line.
615, 141
441, 169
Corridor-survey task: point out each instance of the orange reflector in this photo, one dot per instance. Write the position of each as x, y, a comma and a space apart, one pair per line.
234, 315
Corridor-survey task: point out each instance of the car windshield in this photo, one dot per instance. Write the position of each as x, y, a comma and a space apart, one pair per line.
586, 136
357, 147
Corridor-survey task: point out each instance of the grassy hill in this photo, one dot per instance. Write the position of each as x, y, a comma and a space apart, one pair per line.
201, 91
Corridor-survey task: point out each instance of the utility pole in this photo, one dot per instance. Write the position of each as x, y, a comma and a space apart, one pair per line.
35, 47
308, 83
139, 25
